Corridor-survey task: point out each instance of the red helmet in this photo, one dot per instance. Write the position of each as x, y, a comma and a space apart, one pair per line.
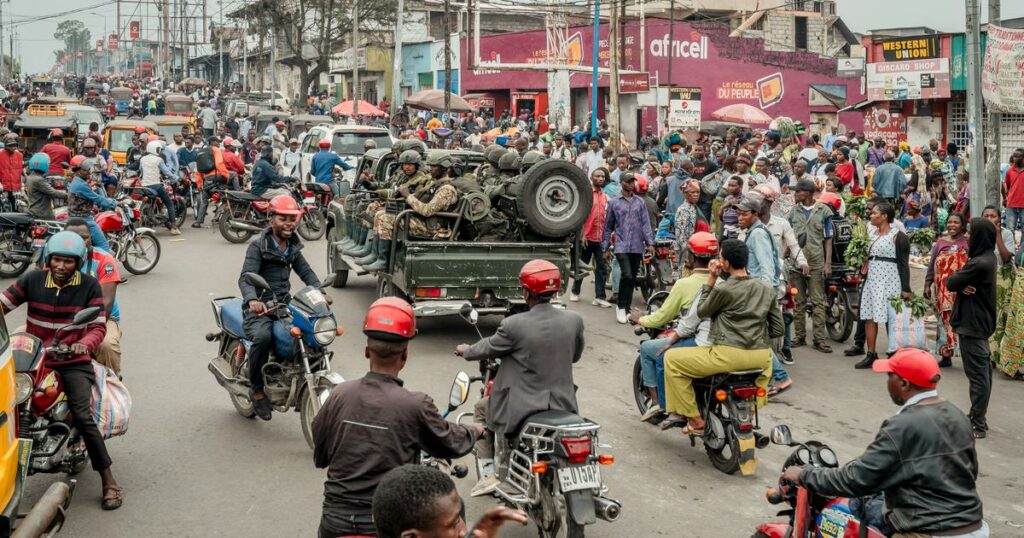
641, 185
831, 199
324, 143
540, 276
284, 204
390, 318
703, 244
140, 130
56, 133
77, 160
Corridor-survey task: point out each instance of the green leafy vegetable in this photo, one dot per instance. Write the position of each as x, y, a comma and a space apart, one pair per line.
918, 306
924, 238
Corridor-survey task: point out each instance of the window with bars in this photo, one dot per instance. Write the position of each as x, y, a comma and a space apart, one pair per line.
957, 123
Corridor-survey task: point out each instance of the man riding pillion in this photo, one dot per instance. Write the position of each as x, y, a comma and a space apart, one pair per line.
40, 192
82, 198
266, 182
273, 256
538, 348
923, 459
153, 170
59, 292
371, 425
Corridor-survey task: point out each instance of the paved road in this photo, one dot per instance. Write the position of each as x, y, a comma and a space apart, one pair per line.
192, 467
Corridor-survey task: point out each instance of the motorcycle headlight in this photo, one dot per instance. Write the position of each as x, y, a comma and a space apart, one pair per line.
324, 331
23, 387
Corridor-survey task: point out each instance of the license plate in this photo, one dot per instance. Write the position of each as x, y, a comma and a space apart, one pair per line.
579, 477
309, 201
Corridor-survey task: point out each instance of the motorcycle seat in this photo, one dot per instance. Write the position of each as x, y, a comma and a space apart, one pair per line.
242, 195
15, 219
231, 317
556, 419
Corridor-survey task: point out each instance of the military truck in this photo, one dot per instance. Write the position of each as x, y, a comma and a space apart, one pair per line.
548, 204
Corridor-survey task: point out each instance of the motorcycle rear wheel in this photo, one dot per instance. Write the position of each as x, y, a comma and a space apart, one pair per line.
8, 268
726, 458
137, 248
313, 225
180, 212
838, 318
640, 393
242, 404
231, 234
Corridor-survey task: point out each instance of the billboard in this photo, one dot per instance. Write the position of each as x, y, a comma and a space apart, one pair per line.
910, 48
112, 42
684, 108
913, 79
134, 30
634, 83
1004, 70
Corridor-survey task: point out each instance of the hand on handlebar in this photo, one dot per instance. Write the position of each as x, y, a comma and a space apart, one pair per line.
79, 348
257, 307
460, 350
792, 474
634, 315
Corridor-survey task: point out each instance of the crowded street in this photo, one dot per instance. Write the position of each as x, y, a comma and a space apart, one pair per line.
195, 468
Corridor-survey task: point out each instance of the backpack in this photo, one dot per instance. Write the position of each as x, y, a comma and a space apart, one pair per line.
205, 163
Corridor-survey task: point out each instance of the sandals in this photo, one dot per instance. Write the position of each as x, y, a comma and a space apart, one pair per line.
113, 497
776, 390
690, 430
673, 421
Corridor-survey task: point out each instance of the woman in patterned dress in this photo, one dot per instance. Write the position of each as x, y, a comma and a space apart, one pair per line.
949, 254
888, 275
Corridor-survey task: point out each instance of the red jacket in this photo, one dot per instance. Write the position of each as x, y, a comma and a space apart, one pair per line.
1014, 187
59, 154
593, 227
233, 163
11, 166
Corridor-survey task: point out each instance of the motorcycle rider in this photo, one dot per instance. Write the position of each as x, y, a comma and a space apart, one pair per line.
39, 190
153, 172
272, 255
61, 291
321, 166
59, 153
82, 198
266, 182
373, 424
103, 267
134, 155
538, 348
923, 458
740, 335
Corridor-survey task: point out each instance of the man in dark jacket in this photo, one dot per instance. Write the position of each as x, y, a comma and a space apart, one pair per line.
272, 255
923, 458
266, 182
538, 348
974, 316
371, 425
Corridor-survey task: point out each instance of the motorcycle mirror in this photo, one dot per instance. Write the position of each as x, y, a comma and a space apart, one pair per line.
256, 281
86, 315
782, 436
460, 391
469, 313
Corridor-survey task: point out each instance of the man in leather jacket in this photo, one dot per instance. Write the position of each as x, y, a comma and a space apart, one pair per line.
923, 458
538, 349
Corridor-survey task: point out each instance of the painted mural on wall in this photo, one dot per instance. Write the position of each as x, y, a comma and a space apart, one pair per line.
880, 122
727, 70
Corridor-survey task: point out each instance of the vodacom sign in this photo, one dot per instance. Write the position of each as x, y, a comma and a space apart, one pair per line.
697, 48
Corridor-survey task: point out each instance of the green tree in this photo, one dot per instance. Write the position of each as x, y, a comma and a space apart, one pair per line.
75, 36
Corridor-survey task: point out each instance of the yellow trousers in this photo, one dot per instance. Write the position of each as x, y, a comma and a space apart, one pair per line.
684, 364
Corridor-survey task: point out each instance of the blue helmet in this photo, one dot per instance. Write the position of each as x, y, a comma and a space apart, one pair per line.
67, 244
40, 162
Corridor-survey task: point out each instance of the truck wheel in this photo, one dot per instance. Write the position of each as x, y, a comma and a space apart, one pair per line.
555, 198
340, 275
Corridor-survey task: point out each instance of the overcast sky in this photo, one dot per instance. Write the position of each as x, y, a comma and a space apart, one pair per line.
35, 41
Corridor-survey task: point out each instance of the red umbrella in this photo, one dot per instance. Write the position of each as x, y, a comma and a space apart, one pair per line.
365, 109
741, 113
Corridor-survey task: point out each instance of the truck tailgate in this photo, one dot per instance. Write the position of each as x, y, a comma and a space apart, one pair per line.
466, 269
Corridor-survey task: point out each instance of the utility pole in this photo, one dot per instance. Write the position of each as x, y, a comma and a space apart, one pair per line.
396, 67
117, 30
613, 76
245, 58
220, 40
975, 116
447, 59
167, 41
671, 48
355, 61
595, 60
2, 39
995, 119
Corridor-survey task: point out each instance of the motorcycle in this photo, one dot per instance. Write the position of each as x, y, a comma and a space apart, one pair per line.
21, 239
44, 416
135, 246
240, 215
727, 402
812, 515
316, 197
298, 374
842, 304
153, 212
554, 470
657, 271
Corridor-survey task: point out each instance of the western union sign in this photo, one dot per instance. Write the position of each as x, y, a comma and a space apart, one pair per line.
910, 48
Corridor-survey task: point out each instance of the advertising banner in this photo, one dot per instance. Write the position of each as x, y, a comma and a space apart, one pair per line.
634, 83
134, 30
112, 42
684, 108
912, 79
920, 47
879, 122
1003, 72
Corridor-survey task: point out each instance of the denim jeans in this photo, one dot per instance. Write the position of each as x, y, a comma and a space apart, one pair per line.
787, 337
159, 190
1014, 218
652, 365
779, 374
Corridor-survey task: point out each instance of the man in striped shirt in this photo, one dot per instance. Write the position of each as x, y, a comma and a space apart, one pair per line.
54, 295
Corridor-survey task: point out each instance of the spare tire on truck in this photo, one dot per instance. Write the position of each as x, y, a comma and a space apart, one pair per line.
554, 197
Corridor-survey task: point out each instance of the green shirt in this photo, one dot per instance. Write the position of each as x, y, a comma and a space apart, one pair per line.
679, 297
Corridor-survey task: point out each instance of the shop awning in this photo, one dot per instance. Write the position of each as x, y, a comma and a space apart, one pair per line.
859, 106
833, 93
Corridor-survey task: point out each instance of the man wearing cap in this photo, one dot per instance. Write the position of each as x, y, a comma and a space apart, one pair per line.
290, 158
278, 137
60, 154
373, 424
923, 459
11, 165
321, 166
812, 223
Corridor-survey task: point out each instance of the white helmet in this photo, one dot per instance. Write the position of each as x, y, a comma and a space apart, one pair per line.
156, 147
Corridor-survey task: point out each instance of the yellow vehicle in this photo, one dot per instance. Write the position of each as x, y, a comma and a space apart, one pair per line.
35, 124
118, 134
10, 474
168, 126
